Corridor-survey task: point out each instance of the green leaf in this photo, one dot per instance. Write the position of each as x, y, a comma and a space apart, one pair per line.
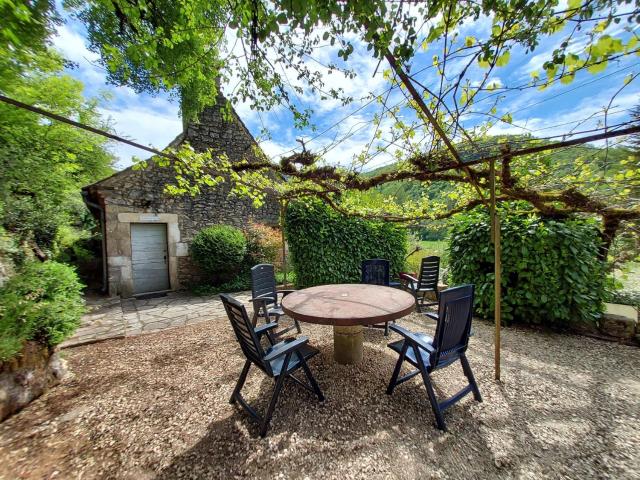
597, 67
503, 59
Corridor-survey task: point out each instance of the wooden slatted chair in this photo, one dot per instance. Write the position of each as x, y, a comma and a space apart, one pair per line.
426, 282
449, 344
266, 303
279, 361
376, 272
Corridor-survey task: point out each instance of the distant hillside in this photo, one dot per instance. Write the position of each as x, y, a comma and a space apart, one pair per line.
406, 191
413, 190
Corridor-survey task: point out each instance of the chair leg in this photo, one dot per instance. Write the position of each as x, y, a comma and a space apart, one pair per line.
297, 325
310, 377
396, 370
418, 308
240, 383
466, 368
386, 329
274, 398
435, 406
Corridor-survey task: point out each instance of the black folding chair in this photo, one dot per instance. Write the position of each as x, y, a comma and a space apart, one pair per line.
449, 344
426, 282
279, 361
376, 272
265, 295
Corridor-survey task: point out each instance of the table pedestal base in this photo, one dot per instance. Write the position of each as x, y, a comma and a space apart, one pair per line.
347, 344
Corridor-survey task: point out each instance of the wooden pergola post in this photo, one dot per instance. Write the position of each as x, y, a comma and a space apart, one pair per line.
495, 238
283, 210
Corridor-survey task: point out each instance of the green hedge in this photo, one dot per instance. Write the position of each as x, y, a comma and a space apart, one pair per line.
42, 302
327, 247
551, 273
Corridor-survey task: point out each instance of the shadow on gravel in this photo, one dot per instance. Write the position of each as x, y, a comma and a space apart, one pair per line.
357, 418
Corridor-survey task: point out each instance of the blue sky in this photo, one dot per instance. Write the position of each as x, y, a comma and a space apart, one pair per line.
155, 120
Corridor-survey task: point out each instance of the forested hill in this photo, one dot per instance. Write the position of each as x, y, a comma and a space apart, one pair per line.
413, 190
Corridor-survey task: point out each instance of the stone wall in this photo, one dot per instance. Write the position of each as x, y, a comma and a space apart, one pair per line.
141, 192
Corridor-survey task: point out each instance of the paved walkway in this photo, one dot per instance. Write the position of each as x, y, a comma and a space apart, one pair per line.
117, 318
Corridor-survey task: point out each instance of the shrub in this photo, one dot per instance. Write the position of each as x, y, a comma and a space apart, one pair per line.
42, 302
239, 283
219, 250
264, 245
327, 247
551, 273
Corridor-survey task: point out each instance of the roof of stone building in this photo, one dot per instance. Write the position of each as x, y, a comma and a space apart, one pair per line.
178, 140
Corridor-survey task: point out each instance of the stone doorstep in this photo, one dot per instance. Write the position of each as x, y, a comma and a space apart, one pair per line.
620, 321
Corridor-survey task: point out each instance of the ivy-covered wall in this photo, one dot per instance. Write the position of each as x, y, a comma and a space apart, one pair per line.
327, 247
551, 273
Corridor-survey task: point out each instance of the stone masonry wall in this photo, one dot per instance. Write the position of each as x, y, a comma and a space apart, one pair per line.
141, 191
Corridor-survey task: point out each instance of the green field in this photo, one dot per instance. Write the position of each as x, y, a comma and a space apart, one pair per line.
427, 248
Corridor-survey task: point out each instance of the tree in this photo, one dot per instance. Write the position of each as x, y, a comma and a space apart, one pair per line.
26, 29
45, 163
188, 47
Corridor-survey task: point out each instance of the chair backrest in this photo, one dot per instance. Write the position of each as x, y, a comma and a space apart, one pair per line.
244, 331
375, 272
455, 313
263, 281
429, 273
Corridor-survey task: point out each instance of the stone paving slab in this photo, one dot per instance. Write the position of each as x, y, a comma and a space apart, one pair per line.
117, 318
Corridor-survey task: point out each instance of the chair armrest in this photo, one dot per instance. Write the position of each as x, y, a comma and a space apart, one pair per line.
264, 296
262, 329
409, 281
407, 277
286, 347
408, 335
262, 300
285, 292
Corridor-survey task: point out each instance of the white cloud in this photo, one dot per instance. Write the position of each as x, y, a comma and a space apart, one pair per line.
586, 115
143, 126
72, 45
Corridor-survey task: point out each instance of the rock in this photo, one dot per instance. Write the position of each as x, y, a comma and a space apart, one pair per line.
620, 321
27, 376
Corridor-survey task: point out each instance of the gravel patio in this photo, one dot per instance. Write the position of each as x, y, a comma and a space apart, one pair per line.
156, 406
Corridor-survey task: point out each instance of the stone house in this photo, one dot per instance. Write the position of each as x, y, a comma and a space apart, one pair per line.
146, 233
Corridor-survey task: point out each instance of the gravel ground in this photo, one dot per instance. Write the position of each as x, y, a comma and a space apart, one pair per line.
156, 406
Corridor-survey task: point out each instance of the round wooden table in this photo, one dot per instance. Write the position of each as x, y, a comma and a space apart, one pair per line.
348, 307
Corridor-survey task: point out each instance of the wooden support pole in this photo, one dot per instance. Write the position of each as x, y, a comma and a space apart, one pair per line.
283, 210
495, 238
498, 294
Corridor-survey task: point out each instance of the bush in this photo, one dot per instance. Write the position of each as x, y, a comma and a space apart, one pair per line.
264, 245
43, 302
551, 273
327, 247
219, 250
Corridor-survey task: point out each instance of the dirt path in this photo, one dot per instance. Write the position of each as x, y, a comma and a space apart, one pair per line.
156, 406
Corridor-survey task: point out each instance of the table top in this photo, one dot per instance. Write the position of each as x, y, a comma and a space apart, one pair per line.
348, 304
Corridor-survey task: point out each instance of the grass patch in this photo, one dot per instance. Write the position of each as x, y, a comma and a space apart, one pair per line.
428, 248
